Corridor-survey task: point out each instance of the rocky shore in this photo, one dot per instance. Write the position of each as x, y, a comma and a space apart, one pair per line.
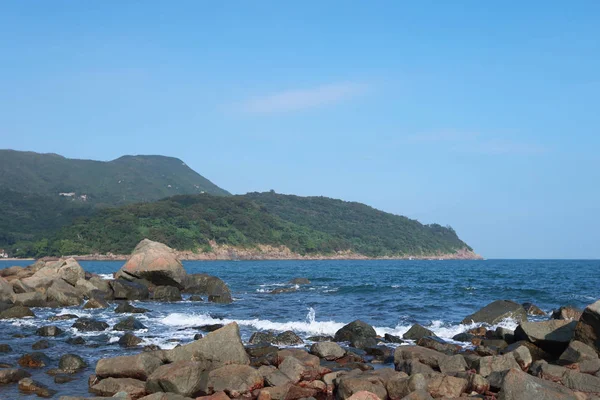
553, 358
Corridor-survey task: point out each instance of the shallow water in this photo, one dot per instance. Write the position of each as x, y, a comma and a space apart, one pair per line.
389, 294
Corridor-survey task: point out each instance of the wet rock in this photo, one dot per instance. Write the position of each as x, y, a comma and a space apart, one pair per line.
288, 338
50, 330
195, 297
125, 307
383, 354
40, 345
532, 309
223, 346
207, 285
299, 281
75, 340
96, 302
438, 344
139, 366
34, 360
89, 325
417, 332
497, 311
128, 324
234, 380
358, 333
166, 293
28, 385
198, 336
62, 317
111, 386
125, 290
182, 377
262, 337
16, 312
577, 352
392, 339
552, 336
62, 379
12, 375
567, 313
156, 263
129, 340
5, 348
210, 327
261, 350
71, 363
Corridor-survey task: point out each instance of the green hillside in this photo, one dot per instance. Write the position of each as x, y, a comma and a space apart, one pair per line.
125, 180
306, 225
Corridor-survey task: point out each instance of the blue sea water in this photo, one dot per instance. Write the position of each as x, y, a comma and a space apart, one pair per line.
391, 295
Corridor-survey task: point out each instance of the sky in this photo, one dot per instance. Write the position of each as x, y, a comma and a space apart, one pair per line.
483, 116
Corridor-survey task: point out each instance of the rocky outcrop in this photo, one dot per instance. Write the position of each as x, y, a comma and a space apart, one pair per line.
588, 328
517, 385
207, 285
497, 311
358, 333
181, 377
156, 263
417, 332
552, 336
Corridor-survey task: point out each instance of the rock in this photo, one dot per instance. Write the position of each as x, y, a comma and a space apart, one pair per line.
438, 344
67, 270
195, 297
414, 366
128, 324
156, 263
567, 312
89, 325
16, 312
358, 333
587, 329
392, 339
401, 386
49, 330
284, 290
139, 366
12, 375
453, 364
487, 365
7, 294
288, 338
536, 352
552, 336
111, 386
34, 360
20, 287
62, 317
424, 355
63, 293
71, 363
464, 337
363, 395
5, 348
166, 293
505, 334
129, 340
294, 370
262, 337
28, 385
40, 345
125, 307
207, 285
125, 290
446, 386
517, 385
522, 357
96, 303
60, 379
532, 309
417, 332
182, 377
497, 311
418, 395
327, 350
234, 380
299, 281
173, 396
75, 340
348, 385
577, 352
31, 299
223, 346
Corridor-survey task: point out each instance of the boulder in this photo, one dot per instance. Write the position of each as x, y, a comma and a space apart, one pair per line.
166, 293
71, 363
424, 355
211, 286
523, 357
77, 340
358, 333
181, 377
417, 332
453, 364
288, 338
587, 329
96, 302
62, 317
446, 386
20, 287
31, 299
221, 347
517, 385
28, 385
392, 339
139, 366
348, 385
485, 366
125, 290
49, 330
577, 352
110, 386
552, 336
418, 395
63, 293
125, 307
567, 312
67, 270
532, 309
5, 348
84, 324
234, 380
7, 294
438, 344
173, 396
401, 386
129, 340
34, 360
16, 312
12, 375
363, 395
128, 324
497, 311
156, 263
328, 350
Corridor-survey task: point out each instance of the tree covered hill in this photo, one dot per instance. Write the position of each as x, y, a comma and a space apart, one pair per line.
125, 180
306, 225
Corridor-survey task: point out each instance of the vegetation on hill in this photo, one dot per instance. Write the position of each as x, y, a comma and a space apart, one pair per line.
306, 225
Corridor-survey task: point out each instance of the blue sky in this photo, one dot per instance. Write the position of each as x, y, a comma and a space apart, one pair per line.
478, 115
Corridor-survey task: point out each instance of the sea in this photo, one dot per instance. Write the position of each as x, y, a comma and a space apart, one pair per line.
391, 295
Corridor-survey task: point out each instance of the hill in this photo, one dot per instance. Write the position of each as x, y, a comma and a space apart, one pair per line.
304, 225
125, 180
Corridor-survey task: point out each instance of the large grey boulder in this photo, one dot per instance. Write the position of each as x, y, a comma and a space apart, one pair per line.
328, 350
417, 332
552, 336
485, 366
497, 311
110, 386
221, 347
358, 333
577, 352
139, 366
424, 355
181, 377
207, 285
67, 270
156, 263
63, 293
234, 380
588, 328
125, 290
348, 385
7, 294
16, 311
31, 299
517, 385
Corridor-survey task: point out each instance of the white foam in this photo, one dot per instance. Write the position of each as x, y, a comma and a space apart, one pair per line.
106, 276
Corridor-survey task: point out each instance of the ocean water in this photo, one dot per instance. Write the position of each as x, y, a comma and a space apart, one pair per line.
391, 295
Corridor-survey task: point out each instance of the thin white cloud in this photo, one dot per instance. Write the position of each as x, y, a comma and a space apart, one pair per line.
303, 99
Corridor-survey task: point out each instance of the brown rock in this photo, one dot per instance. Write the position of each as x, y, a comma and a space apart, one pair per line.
28, 385
111, 386
182, 377
235, 380
139, 366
